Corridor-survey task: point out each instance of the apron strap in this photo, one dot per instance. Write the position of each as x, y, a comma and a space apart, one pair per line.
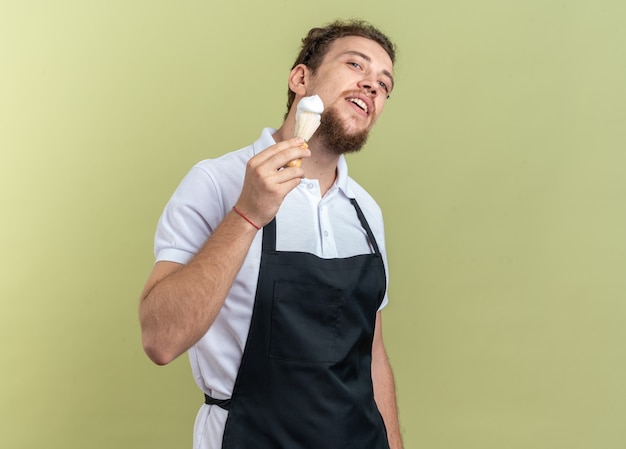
365, 224
269, 236
223, 403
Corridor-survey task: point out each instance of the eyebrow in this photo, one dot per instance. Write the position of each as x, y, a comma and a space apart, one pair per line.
385, 72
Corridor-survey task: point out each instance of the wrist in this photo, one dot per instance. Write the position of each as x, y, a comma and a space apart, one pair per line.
246, 218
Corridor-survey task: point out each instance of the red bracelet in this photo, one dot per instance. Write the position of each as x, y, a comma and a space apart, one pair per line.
246, 218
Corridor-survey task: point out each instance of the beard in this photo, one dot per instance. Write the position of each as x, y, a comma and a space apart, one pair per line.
334, 136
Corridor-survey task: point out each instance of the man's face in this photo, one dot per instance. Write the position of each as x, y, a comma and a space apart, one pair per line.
354, 80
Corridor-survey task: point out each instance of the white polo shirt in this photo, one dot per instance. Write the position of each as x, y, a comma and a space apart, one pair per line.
327, 227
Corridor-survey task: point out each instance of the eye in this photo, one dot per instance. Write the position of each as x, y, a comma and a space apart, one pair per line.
356, 65
383, 85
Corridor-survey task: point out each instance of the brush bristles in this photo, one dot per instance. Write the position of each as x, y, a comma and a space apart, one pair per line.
306, 124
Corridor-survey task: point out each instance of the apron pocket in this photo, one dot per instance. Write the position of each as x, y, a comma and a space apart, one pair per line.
305, 322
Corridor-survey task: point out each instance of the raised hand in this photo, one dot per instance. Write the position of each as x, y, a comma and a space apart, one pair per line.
268, 180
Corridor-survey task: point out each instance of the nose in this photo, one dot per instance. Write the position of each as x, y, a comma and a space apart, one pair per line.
369, 86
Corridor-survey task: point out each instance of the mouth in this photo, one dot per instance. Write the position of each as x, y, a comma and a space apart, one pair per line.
360, 104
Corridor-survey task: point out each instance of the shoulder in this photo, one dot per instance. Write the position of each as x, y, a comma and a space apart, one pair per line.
366, 201
198, 205
229, 167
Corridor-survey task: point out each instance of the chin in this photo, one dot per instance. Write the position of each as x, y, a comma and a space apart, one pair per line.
338, 136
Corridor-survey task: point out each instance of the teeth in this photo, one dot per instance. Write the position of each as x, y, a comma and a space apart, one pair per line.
360, 103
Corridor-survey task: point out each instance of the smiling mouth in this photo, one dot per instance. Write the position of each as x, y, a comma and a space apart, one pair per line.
360, 103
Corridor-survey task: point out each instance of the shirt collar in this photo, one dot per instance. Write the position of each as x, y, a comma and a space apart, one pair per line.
266, 140
342, 177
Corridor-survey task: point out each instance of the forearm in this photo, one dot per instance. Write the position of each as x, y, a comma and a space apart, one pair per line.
179, 305
385, 390
385, 395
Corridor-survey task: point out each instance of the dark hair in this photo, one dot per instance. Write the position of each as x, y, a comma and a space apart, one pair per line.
315, 44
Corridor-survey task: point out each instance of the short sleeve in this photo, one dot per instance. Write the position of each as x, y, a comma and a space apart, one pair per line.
190, 216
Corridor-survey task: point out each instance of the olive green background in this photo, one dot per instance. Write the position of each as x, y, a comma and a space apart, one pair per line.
499, 164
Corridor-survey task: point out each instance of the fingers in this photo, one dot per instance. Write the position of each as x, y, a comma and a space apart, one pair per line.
269, 168
279, 155
268, 181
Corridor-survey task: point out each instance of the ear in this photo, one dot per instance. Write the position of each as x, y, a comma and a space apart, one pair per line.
298, 79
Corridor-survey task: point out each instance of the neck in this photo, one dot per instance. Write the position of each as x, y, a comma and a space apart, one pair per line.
321, 165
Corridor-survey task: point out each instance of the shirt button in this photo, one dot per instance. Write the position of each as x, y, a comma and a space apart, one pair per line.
325, 233
310, 186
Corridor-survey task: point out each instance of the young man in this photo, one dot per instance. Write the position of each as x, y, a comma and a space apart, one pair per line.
273, 277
